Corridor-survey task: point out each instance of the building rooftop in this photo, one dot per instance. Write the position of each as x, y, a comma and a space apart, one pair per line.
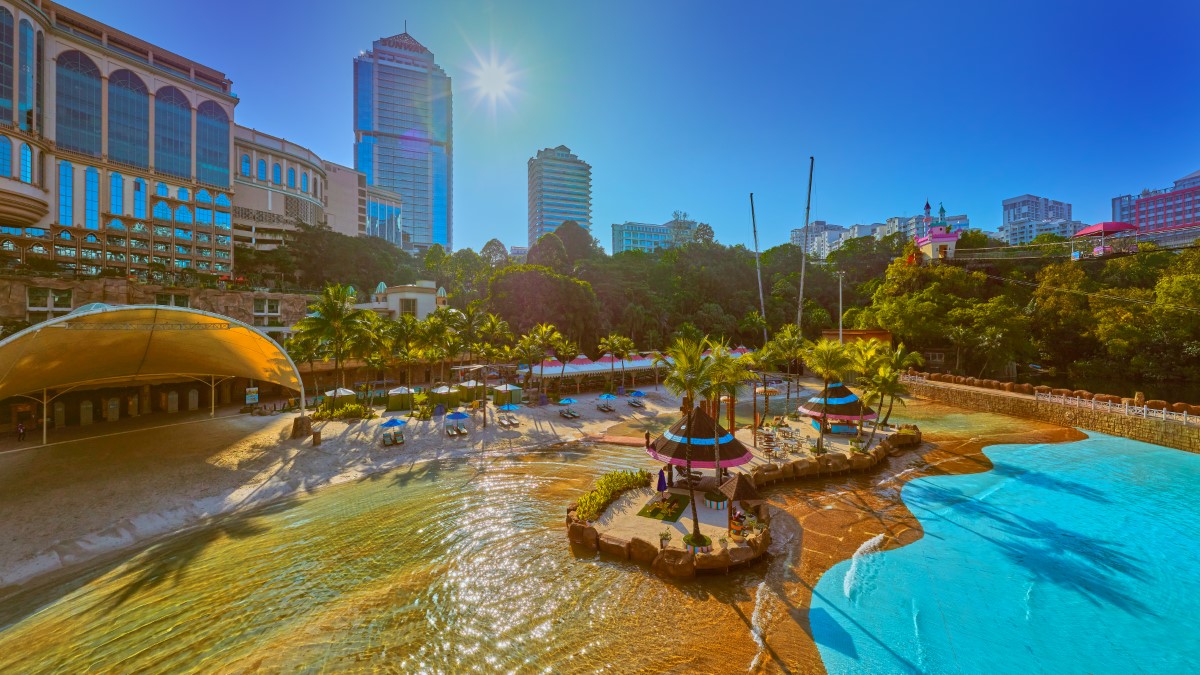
405, 42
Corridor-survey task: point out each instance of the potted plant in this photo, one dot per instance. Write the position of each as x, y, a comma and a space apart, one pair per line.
723, 541
664, 538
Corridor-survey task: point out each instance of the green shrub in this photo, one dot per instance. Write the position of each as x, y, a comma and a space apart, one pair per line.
350, 411
610, 486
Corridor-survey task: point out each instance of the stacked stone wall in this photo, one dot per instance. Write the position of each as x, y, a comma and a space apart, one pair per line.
1150, 430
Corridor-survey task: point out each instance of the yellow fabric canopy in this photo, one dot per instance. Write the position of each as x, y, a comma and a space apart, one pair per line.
99, 344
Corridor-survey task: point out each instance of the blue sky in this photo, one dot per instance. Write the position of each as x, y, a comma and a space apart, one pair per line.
693, 105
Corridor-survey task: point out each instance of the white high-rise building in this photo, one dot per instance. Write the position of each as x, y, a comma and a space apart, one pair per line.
1027, 216
560, 189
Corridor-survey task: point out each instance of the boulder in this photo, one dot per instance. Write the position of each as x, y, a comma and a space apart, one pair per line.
1130, 402
861, 462
1010, 386
803, 467
1179, 407
673, 562
1060, 392
1026, 388
1139, 398
838, 462
788, 470
718, 560
772, 474
614, 546
1042, 389
584, 535
1194, 410
763, 513
741, 554
642, 551
1083, 394
1156, 404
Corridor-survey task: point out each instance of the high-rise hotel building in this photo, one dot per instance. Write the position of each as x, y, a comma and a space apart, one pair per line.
404, 139
560, 189
114, 153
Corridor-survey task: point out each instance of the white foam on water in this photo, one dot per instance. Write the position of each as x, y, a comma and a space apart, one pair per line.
857, 566
916, 620
756, 625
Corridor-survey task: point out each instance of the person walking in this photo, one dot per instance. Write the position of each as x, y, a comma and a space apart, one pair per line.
20, 431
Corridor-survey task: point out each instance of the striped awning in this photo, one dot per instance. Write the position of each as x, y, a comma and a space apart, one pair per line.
836, 402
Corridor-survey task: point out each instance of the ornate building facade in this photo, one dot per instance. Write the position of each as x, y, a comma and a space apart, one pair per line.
114, 153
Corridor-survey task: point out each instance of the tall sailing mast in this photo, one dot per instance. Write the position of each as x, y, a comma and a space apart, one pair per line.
762, 305
804, 253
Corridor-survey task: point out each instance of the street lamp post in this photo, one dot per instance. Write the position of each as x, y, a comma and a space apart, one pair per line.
840, 275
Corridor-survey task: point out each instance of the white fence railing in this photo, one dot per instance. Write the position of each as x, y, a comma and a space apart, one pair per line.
1108, 407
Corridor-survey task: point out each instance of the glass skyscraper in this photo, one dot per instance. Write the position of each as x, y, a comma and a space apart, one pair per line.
403, 136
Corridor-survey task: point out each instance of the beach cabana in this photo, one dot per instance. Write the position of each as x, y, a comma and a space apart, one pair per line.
340, 396
708, 440
400, 398
738, 489
506, 393
1103, 235
838, 405
447, 396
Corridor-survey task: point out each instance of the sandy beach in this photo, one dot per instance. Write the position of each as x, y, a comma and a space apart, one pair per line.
127, 484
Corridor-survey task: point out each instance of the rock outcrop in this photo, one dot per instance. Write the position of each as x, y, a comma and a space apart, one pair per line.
673, 562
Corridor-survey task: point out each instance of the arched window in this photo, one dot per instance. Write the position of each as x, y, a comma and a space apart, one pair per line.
26, 64
223, 200
276, 174
139, 198
91, 198
182, 194
65, 234
6, 64
291, 178
66, 194
116, 225
262, 169
203, 197
304, 182
26, 163
183, 215
128, 119
116, 194
172, 133
212, 144
161, 190
246, 165
5, 152
39, 80
139, 227
92, 239
162, 211
38, 248
78, 112
7, 245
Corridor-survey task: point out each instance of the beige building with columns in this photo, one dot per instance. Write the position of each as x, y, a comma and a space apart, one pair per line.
279, 185
114, 153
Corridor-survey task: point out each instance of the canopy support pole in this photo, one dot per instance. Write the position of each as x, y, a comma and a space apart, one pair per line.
45, 415
212, 396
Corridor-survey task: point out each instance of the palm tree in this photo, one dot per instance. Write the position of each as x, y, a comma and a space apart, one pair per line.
900, 360
885, 382
865, 357
373, 344
544, 336
828, 360
565, 350
788, 344
611, 344
335, 323
726, 375
527, 349
625, 348
495, 333
690, 374
305, 349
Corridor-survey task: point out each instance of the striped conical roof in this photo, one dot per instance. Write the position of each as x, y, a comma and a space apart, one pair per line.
836, 402
707, 440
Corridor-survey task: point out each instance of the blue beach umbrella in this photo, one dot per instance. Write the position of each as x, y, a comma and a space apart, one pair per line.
567, 401
637, 393
393, 422
662, 481
607, 397
458, 416
509, 407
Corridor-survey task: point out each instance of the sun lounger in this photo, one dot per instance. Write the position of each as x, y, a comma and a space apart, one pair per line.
387, 438
572, 413
513, 421
462, 430
398, 438
636, 403
451, 431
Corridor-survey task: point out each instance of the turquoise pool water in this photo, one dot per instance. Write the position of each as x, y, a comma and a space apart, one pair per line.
1072, 557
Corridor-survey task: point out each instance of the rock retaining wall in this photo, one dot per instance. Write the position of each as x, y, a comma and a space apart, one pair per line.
1150, 430
678, 563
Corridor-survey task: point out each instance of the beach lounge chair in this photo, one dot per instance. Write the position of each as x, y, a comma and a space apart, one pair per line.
398, 438
462, 430
513, 421
564, 413
387, 438
636, 403
451, 431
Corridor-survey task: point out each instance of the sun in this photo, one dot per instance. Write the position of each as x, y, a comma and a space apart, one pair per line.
494, 81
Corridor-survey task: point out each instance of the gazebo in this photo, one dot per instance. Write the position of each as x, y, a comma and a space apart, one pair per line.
340, 396
738, 489
836, 403
506, 393
400, 398
709, 441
